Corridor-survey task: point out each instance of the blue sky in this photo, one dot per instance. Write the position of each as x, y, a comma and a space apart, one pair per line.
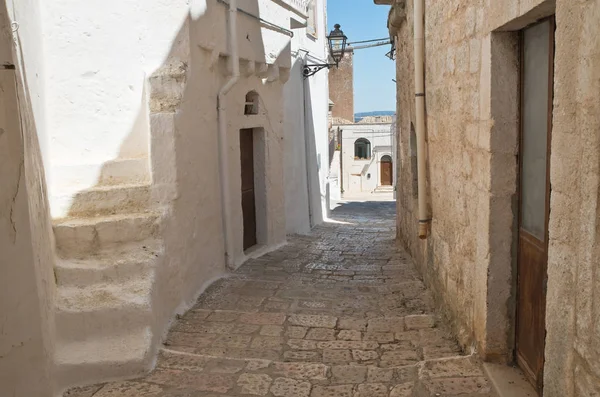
373, 71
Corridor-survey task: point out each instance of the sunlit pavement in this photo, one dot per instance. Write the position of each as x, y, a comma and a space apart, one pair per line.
341, 312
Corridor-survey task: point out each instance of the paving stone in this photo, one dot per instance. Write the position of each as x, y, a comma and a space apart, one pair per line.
307, 320
337, 313
379, 375
349, 335
371, 390
295, 355
403, 390
348, 374
198, 381
398, 358
301, 371
224, 366
381, 337
332, 391
406, 374
223, 316
254, 384
86, 391
336, 356
295, 332
364, 355
419, 321
457, 386
286, 387
267, 343
347, 344
321, 334
255, 365
302, 344
386, 324
263, 318
129, 389
465, 367
271, 330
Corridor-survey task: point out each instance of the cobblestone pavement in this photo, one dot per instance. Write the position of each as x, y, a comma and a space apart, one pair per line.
339, 313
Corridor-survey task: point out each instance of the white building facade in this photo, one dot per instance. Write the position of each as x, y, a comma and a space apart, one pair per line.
306, 110
147, 149
367, 158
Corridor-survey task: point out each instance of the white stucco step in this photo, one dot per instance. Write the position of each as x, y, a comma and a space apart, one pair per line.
102, 309
114, 265
121, 171
111, 199
81, 236
103, 358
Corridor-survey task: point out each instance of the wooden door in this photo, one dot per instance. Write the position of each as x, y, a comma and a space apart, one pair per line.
537, 59
248, 197
386, 171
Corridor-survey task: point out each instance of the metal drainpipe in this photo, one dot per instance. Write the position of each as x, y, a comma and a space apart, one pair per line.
223, 145
420, 108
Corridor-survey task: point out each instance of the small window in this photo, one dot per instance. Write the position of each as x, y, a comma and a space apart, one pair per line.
362, 149
252, 99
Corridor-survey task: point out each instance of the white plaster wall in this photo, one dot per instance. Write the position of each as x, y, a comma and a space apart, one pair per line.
380, 136
184, 151
98, 54
305, 130
27, 282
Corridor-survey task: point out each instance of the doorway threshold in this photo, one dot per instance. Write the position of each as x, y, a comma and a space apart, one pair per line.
509, 381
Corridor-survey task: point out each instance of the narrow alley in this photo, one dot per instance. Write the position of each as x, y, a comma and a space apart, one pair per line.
341, 312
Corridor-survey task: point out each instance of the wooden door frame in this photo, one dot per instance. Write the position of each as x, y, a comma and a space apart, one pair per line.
551, 53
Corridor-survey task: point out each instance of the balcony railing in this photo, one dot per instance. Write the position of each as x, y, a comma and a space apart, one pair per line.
298, 6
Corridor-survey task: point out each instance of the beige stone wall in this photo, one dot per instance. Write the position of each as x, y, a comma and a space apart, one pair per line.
26, 254
341, 87
472, 134
573, 309
185, 160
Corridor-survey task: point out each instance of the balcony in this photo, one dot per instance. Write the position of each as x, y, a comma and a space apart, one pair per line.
300, 7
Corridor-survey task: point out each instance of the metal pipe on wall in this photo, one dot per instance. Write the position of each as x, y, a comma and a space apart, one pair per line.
419, 43
222, 114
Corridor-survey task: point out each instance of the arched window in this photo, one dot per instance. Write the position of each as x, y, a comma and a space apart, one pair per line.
252, 99
362, 149
386, 159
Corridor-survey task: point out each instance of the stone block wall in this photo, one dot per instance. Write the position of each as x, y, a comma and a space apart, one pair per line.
341, 87
469, 259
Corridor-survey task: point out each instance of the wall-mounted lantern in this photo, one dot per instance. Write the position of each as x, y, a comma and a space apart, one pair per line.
337, 48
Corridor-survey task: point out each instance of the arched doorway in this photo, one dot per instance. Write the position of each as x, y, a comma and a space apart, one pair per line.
386, 173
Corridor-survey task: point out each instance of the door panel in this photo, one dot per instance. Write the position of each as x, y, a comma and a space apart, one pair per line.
537, 58
386, 173
248, 198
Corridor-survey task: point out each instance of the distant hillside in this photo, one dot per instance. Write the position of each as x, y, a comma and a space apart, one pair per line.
359, 116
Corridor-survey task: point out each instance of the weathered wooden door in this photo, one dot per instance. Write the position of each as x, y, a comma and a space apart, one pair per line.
248, 197
386, 171
537, 59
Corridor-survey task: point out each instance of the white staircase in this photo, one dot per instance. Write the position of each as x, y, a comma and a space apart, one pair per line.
107, 249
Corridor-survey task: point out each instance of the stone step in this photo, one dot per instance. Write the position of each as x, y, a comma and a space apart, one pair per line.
109, 200
384, 189
85, 236
125, 171
102, 309
118, 356
114, 265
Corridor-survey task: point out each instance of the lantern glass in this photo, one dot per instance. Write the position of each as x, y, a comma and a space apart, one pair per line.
337, 44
